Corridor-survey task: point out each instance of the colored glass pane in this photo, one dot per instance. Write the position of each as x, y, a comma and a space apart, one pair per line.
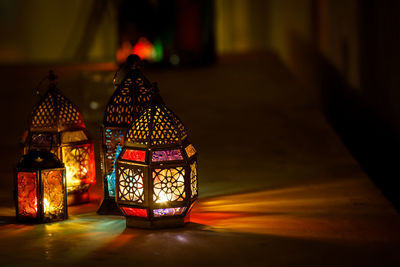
111, 177
27, 194
134, 212
79, 166
166, 155
73, 136
135, 155
193, 178
53, 194
169, 184
190, 150
169, 211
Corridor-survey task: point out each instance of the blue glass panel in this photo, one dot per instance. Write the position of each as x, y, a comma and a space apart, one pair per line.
111, 176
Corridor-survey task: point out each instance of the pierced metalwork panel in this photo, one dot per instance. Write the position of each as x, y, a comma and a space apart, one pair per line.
120, 108
169, 184
69, 116
156, 126
193, 179
53, 194
56, 112
27, 194
44, 115
131, 187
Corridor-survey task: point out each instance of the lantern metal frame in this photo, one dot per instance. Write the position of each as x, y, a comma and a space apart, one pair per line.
167, 134
54, 165
131, 96
56, 124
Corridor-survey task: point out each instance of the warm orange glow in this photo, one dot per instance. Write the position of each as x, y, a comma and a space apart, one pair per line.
310, 211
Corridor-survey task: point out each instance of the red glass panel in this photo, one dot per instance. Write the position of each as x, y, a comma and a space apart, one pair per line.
135, 212
27, 194
135, 155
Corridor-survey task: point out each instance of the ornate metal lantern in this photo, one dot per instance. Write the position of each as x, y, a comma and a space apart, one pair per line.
125, 105
40, 188
156, 171
57, 126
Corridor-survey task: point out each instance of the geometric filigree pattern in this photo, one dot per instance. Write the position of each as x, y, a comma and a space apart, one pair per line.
190, 150
77, 165
130, 184
119, 110
27, 194
53, 194
128, 101
193, 179
156, 126
56, 112
169, 184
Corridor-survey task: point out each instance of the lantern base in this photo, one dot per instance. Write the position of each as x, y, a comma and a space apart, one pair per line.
155, 224
109, 207
78, 198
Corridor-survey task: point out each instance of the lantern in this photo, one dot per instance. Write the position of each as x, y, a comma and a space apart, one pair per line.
40, 188
126, 104
57, 126
156, 171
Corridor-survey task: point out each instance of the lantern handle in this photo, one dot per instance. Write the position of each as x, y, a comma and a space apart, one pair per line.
51, 77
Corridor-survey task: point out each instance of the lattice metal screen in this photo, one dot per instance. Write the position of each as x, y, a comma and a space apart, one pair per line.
156, 126
56, 112
131, 186
169, 184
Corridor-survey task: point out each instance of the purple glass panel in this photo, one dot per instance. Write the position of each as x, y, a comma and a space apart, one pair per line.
165, 155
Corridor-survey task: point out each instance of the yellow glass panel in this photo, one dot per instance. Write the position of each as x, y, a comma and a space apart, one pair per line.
53, 194
73, 136
190, 150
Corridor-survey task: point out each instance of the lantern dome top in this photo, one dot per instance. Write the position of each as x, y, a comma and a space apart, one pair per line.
130, 98
38, 160
157, 125
55, 112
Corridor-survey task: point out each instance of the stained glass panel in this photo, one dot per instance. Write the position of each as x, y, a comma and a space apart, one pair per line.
113, 139
134, 212
131, 184
166, 155
78, 166
190, 150
111, 177
73, 136
193, 179
169, 211
27, 194
135, 155
169, 184
53, 194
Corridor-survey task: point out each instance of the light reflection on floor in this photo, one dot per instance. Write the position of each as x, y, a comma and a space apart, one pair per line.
332, 211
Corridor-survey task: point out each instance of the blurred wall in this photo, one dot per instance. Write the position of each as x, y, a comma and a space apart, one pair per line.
35, 31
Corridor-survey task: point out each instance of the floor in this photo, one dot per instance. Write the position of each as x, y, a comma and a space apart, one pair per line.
277, 186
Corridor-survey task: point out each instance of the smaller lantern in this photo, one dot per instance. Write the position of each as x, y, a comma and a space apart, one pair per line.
58, 126
156, 171
40, 188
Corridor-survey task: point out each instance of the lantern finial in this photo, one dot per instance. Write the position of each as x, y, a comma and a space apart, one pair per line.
133, 61
52, 79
